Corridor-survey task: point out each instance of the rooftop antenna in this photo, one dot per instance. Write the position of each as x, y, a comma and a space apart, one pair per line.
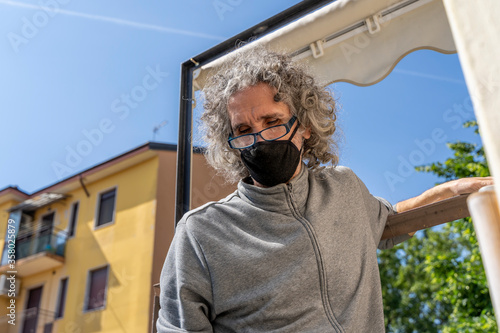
157, 128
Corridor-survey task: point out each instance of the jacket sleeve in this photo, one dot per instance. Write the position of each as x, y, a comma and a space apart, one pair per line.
378, 209
186, 292
389, 242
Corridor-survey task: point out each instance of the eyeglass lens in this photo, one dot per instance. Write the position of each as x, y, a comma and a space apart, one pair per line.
269, 134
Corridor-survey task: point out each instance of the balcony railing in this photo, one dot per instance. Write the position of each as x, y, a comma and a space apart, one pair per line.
33, 320
50, 240
36, 250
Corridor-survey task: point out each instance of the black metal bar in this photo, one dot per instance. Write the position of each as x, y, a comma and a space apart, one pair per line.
185, 144
263, 28
184, 148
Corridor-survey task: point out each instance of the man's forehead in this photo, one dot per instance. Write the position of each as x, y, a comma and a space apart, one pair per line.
237, 121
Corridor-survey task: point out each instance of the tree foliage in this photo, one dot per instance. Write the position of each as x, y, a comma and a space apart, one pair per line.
435, 282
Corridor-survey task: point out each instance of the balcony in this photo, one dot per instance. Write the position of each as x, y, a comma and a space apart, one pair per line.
30, 320
37, 251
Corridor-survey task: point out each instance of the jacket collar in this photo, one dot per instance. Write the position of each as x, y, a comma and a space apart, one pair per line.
278, 198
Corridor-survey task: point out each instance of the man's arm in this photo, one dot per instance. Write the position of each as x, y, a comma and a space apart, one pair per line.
186, 293
445, 191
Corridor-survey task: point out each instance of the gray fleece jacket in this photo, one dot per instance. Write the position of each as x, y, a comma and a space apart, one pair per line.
297, 257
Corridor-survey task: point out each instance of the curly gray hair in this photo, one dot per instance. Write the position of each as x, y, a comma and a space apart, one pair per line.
312, 104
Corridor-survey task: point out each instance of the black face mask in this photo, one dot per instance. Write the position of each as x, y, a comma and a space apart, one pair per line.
272, 162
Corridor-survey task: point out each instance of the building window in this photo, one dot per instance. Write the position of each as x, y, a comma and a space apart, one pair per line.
44, 241
96, 290
61, 300
106, 208
72, 219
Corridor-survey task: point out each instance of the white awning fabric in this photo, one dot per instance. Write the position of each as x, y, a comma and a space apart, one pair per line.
357, 41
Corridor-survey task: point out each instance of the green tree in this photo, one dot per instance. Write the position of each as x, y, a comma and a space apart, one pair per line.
435, 282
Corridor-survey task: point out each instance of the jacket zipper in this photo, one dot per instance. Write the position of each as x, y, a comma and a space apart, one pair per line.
319, 260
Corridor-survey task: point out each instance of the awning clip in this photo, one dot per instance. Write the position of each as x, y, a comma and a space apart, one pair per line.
317, 49
373, 23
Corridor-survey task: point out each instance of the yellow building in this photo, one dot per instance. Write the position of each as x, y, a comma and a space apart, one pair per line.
89, 248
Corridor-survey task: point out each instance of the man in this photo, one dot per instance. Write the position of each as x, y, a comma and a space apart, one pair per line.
294, 248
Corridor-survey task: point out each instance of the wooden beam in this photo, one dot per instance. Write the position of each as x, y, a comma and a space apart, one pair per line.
427, 216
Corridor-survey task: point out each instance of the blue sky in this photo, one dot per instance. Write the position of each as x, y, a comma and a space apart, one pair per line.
66, 74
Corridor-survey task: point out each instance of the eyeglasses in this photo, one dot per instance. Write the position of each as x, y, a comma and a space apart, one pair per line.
268, 134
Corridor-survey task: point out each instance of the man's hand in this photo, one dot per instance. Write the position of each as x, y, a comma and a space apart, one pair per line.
445, 191
468, 185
